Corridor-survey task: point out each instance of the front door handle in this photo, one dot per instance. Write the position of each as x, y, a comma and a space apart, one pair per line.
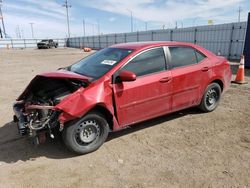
166, 79
205, 69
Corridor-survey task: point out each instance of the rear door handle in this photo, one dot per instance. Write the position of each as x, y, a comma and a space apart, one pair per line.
205, 69
166, 79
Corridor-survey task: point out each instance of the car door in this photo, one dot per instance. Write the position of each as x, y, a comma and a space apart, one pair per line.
190, 70
150, 94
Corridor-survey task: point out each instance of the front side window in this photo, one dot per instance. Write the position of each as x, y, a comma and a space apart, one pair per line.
147, 62
99, 63
182, 56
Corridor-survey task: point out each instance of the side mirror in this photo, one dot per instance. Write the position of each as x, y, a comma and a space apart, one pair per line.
127, 76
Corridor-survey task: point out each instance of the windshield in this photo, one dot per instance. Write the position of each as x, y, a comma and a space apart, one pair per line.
99, 63
44, 41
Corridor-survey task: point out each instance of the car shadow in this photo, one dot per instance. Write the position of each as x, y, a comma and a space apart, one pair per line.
152, 122
15, 148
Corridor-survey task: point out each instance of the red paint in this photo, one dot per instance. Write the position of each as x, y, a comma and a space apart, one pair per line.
147, 96
65, 74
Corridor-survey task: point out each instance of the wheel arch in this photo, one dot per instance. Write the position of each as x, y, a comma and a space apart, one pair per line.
220, 82
106, 113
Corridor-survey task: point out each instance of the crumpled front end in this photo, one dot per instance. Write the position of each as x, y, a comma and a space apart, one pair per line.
36, 111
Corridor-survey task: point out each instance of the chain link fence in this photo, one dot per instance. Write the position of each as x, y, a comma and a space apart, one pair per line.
226, 39
26, 43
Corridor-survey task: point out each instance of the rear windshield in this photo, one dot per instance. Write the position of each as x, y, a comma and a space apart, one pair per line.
99, 63
44, 41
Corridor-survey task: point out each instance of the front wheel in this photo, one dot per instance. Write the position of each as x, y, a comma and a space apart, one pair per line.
87, 134
211, 98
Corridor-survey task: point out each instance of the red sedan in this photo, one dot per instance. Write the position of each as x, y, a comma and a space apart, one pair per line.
117, 87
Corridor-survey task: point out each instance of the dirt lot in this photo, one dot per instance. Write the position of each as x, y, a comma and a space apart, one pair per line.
185, 149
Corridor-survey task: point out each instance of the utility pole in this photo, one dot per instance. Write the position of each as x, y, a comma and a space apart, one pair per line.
93, 29
18, 33
146, 26
194, 20
239, 12
83, 25
1, 17
98, 26
32, 31
67, 6
131, 19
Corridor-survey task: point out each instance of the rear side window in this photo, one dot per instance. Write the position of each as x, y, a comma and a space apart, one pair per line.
182, 56
147, 62
199, 56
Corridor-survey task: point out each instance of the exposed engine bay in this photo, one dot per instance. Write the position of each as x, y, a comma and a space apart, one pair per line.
35, 111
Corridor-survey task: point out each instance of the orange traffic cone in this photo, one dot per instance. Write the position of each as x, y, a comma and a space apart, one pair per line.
87, 49
240, 76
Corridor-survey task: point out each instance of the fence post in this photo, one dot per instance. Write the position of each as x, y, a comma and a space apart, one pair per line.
106, 40
125, 37
12, 46
99, 38
115, 39
137, 36
195, 35
152, 35
171, 35
24, 43
230, 42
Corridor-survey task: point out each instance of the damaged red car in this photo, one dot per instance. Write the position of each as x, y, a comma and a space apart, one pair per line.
117, 87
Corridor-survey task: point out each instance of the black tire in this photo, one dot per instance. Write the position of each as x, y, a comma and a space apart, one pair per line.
56, 46
211, 98
86, 134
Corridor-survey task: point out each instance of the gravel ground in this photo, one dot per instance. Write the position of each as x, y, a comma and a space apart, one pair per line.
184, 149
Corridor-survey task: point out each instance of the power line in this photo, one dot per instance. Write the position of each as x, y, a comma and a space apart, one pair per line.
67, 6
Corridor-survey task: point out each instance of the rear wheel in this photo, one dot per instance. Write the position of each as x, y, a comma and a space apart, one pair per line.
87, 134
211, 98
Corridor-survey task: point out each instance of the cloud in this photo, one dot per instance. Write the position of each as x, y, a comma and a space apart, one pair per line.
46, 5
43, 27
168, 10
49, 16
34, 11
112, 19
49, 19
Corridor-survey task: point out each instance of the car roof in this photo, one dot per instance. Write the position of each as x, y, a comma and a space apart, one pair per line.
148, 44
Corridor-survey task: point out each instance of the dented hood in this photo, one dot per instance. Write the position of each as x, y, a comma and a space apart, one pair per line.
59, 74
65, 74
